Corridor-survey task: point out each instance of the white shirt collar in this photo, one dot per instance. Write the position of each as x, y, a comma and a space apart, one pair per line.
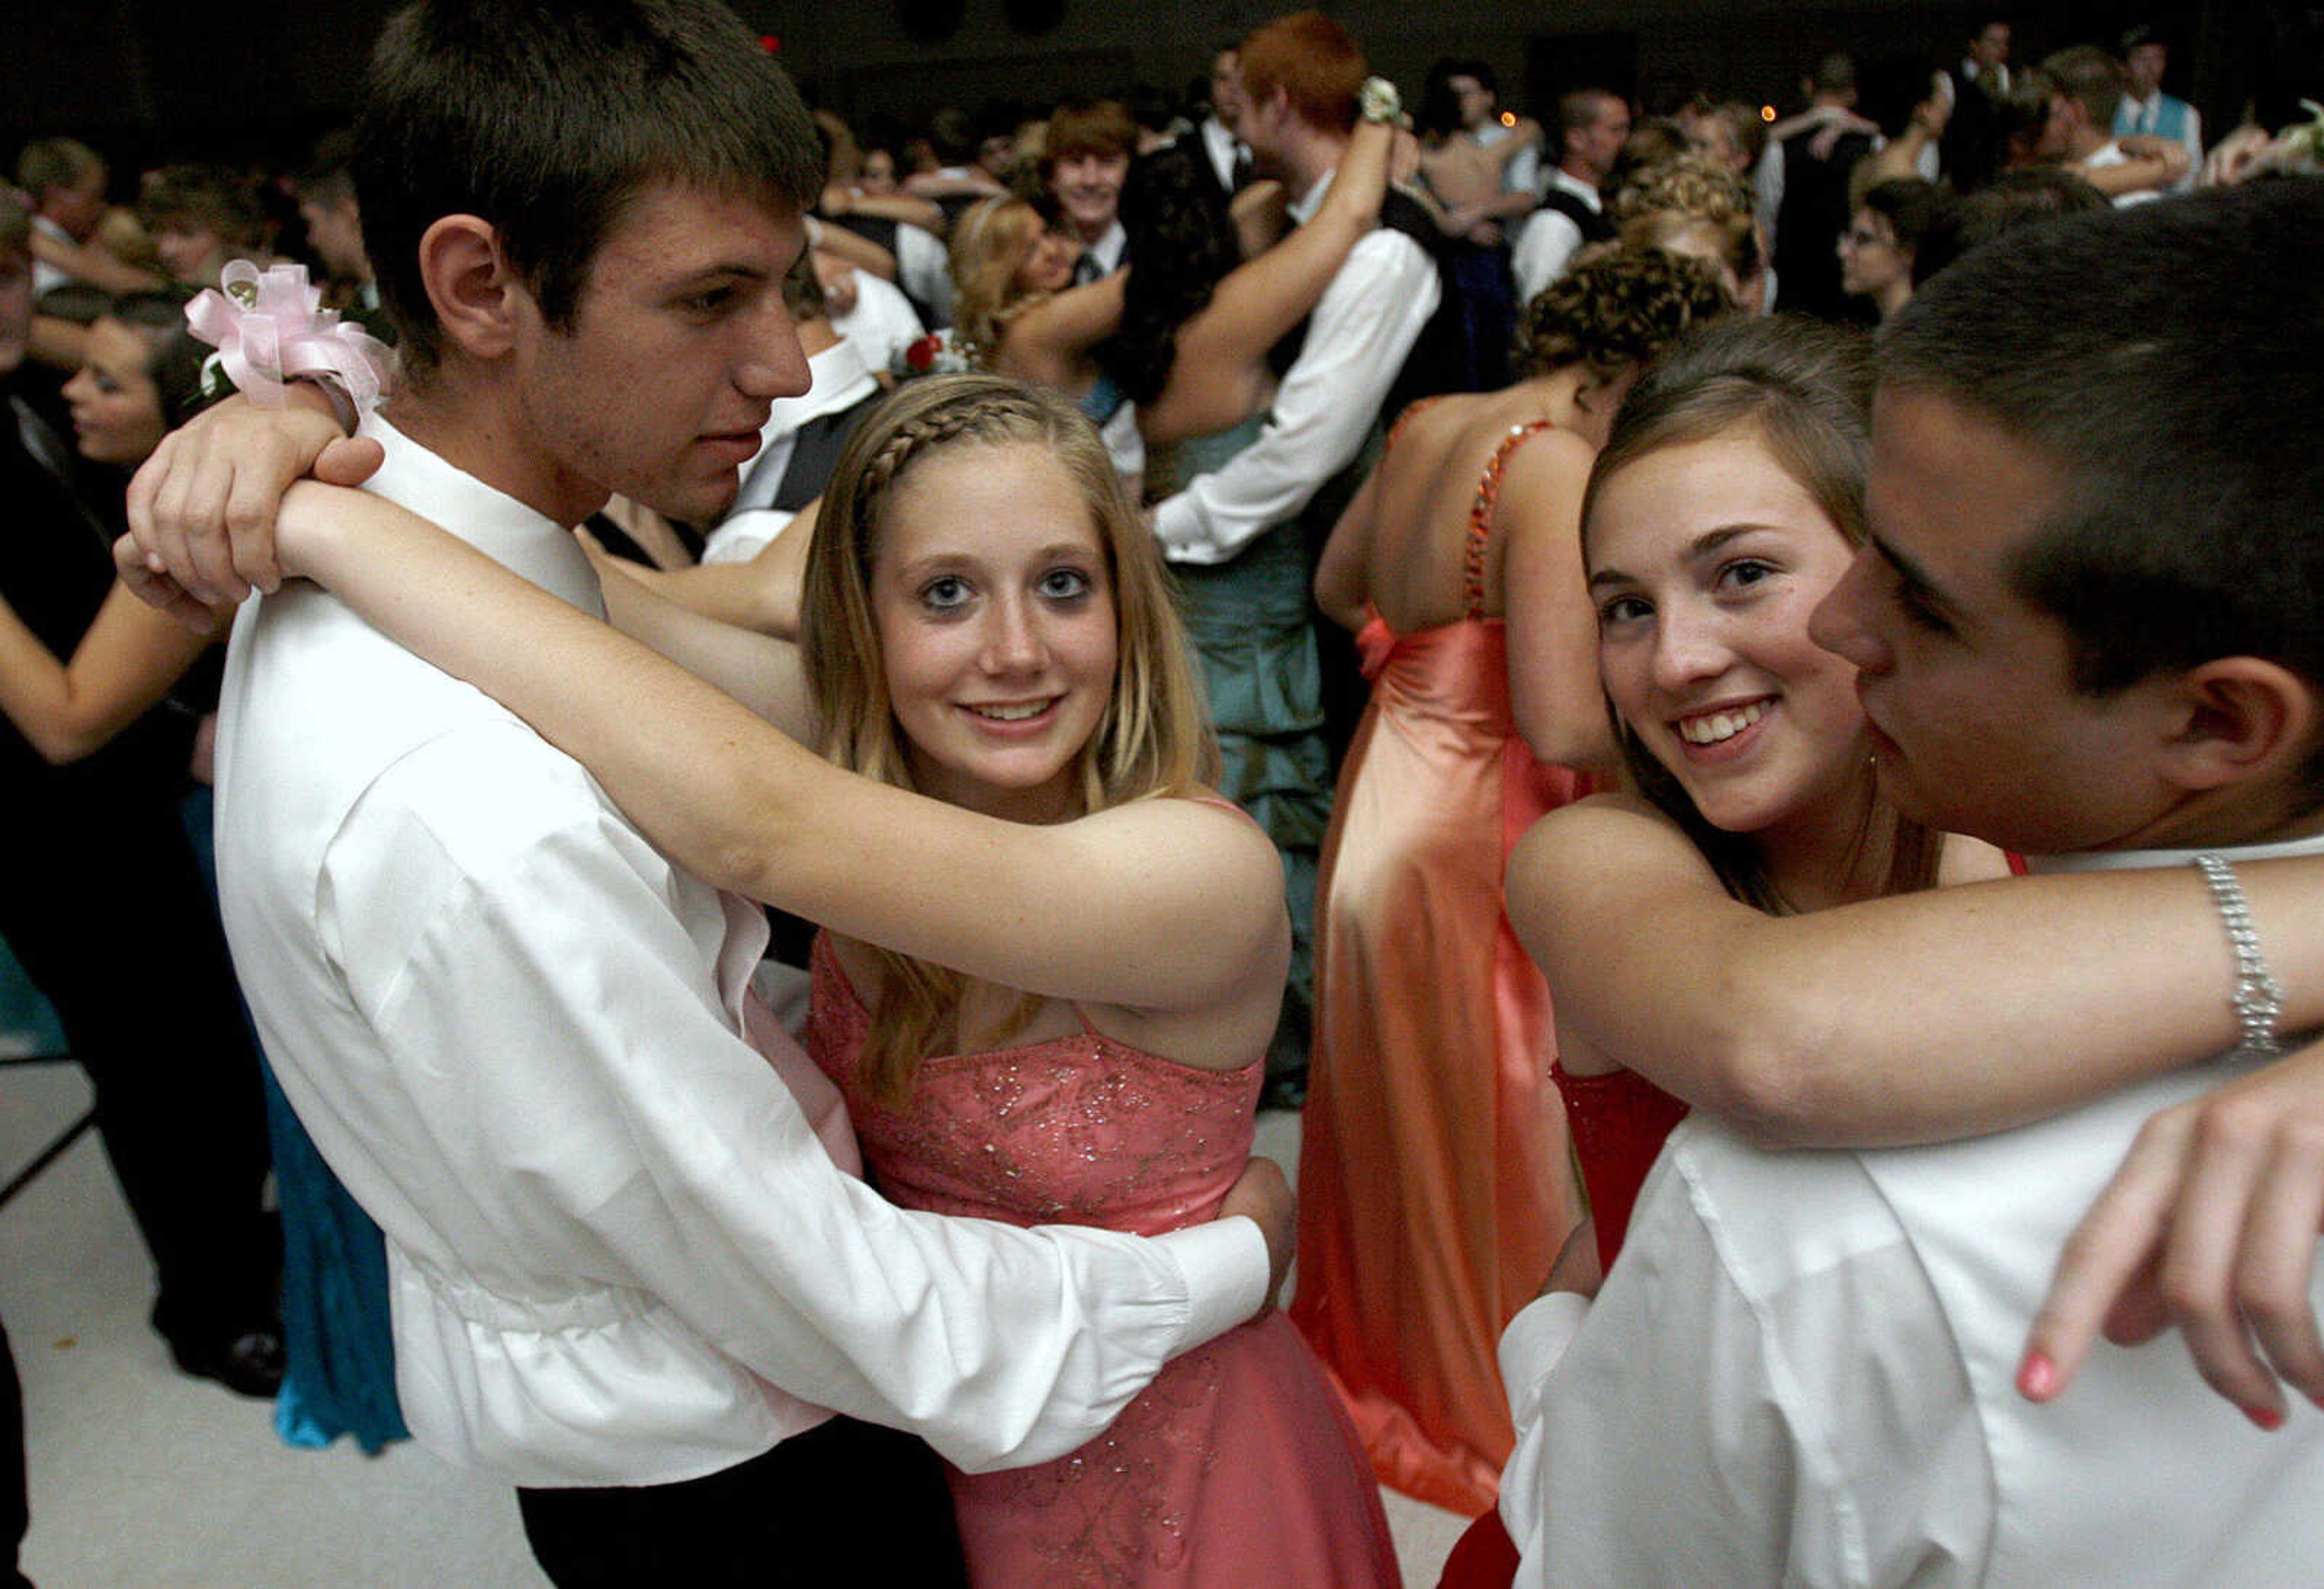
2111, 860
837, 377
526, 542
1107, 249
1302, 208
1566, 182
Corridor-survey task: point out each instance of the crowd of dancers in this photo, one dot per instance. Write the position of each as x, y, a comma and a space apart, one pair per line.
1129, 614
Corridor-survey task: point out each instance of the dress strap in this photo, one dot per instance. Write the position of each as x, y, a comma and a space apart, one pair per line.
1412, 411
1480, 517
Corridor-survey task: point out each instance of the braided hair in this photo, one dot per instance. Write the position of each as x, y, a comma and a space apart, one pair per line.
1154, 738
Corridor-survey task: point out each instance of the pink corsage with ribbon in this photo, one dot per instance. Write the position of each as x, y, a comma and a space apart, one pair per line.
269, 327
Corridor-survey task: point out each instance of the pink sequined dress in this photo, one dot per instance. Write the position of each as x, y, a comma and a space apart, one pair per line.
1236, 1467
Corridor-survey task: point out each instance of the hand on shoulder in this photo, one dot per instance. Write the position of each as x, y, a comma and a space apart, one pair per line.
202, 508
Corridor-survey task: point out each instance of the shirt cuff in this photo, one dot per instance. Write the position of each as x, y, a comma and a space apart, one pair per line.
1226, 1269
1179, 528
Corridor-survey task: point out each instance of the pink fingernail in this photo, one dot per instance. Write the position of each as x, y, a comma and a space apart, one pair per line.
2267, 1417
2037, 1377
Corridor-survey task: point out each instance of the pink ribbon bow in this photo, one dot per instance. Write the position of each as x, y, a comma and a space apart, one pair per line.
270, 326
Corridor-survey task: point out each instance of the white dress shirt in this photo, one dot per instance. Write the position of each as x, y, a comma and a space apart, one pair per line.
1548, 242
882, 324
1223, 149
922, 269
1102, 258
837, 378
619, 1252
1801, 1372
44, 274
1363, 327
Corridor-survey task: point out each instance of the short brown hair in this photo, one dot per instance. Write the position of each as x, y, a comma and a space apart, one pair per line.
2091, 78
55, 162
1103, 127
1314, 60
205, 198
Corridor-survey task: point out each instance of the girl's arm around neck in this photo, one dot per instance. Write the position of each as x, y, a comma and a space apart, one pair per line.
1923, 1017
1049, 343
1162, 905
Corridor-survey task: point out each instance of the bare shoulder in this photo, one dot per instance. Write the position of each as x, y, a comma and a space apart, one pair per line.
1606, 839
1200, 823
1430, 421
1546, 456
1614, 817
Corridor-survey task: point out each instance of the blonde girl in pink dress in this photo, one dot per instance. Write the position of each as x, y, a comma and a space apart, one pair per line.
1051, 959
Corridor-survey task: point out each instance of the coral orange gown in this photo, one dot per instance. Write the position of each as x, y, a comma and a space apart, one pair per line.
1435, 1187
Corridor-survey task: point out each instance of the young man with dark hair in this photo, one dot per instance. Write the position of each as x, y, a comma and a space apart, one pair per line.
1219, 129
628, 1275
1801, 187
2089, 627
1971, 144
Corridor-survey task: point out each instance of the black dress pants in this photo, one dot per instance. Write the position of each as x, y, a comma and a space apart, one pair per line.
106, 909
847, 1504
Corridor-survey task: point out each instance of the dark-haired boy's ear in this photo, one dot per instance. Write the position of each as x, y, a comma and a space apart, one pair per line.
2244, 722
471, 285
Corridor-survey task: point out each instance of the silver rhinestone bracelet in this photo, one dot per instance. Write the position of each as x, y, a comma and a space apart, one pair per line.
2259, 1001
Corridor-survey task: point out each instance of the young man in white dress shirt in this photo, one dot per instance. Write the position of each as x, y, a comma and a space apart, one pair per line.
1237, 538
627, 1275
2090, 628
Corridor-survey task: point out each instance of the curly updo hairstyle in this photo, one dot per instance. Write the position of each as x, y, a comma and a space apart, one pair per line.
1692, 183
1617, 306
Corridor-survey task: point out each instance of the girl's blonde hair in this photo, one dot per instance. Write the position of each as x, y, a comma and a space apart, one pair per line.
1154, 738
988, 244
